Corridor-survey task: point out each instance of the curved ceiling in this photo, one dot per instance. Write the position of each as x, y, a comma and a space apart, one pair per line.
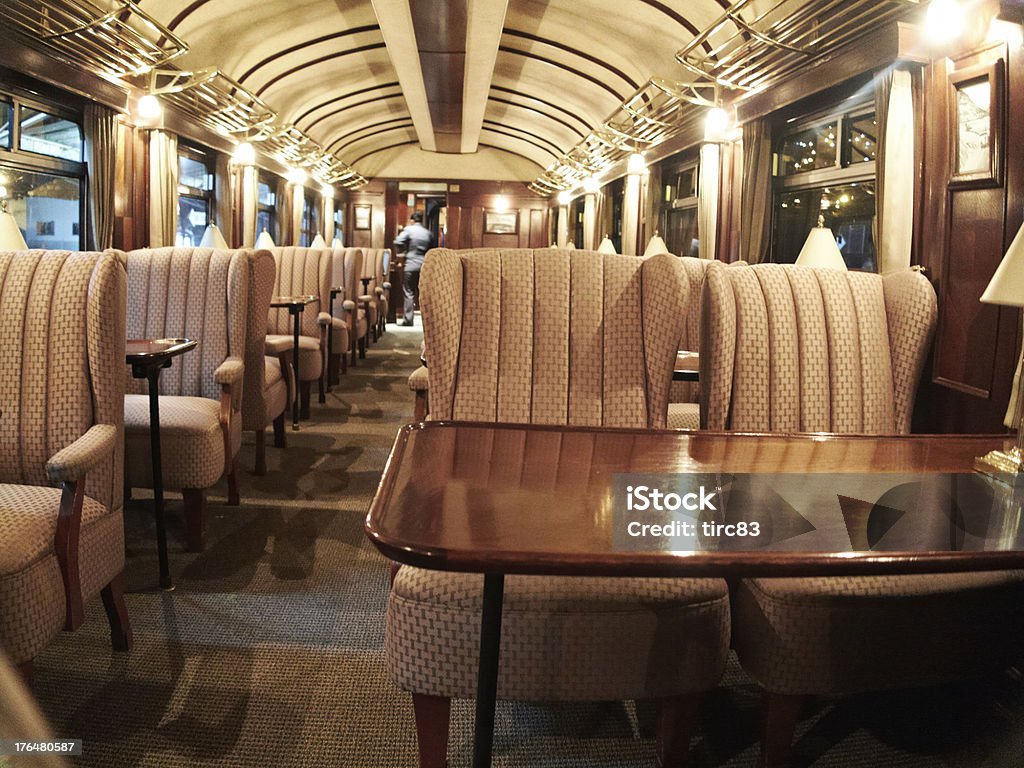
497, 89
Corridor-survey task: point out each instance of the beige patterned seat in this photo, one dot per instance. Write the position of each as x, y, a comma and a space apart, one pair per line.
197, 293
349, 314
684, 397
792, 349
553, 337
304, 272
268, 379
61, 446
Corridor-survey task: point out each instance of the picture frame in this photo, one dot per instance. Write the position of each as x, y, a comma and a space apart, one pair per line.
501, 222
361, 216
976, 135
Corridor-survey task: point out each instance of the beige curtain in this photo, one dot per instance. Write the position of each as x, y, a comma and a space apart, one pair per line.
249, 180
894, 171
284, 234
163, 188
100, 129
707, 199
224, 194
756, 194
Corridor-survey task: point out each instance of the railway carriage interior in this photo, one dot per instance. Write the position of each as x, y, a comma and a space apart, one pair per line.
771, 246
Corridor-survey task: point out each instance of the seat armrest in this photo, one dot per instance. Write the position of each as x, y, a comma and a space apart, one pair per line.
230, 371
278, 346
323, 318
348, 304
72, 461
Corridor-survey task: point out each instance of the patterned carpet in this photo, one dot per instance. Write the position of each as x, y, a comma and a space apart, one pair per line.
268, 653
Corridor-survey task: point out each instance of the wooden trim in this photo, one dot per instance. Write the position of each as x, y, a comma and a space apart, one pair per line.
573, 51
65, 546
349, 95
993, 74
316, 63
564, 68
307, 44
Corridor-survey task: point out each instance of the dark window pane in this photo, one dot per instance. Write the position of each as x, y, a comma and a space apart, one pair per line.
862, 134
266, 195
849, 211
191, 221
193, 173
6, 118
46, 206
50, 135
809, 149
339, 224
265, 220
681, 236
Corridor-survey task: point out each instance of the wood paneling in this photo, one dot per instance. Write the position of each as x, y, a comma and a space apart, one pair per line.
466, 209
964, 233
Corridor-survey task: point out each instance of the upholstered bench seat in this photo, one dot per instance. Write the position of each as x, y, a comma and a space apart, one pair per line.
849, 635
563, 638
191, 441
683, 416
310, 357
31, 568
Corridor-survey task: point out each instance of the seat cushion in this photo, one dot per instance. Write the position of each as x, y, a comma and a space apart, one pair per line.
847, 635
647, 637
683, 416
191, 441
32, 601
310, 360
275, 389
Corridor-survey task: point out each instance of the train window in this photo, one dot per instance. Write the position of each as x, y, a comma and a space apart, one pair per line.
339, 224
825, 165
47, 207
195, 195
266, 206
46, 134
310, 218
678, 215
6, 116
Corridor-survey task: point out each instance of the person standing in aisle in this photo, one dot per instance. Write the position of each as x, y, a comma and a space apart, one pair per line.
415, 240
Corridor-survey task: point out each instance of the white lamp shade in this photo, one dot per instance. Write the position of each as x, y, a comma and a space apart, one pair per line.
264, 240
336, 243
655, 246
10, 235
820, 250
318, 242
570, 246
606, 246
212, 238
1007, 284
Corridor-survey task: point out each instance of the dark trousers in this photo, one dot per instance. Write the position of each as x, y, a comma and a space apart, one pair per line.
411, 292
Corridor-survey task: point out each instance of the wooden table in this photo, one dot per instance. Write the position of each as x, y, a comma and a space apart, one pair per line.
295, 306
148, 357
500, 499
687, 367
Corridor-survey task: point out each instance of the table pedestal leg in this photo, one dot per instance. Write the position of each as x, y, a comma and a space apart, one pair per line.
295, 358
153, 377
487, 682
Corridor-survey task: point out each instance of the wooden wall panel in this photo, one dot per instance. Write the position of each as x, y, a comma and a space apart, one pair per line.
963, 235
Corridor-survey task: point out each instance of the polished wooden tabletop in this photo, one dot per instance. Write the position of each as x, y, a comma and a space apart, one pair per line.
281, 302
141, 350
532, 499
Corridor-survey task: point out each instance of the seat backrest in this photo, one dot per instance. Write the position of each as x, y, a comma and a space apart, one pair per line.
62, 364
796, 349
261, 276
300, 272
696, 270
346, 269
551, 337
195, 293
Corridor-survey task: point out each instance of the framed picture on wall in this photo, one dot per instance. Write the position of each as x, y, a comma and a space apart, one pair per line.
977, 131
361, 216
501, 222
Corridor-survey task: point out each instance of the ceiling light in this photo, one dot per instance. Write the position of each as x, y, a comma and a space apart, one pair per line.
716, 123
149, 107
591, 184
296, 176
501, 204
245, 154
327, 190
564, 197
944, 21
636, 163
